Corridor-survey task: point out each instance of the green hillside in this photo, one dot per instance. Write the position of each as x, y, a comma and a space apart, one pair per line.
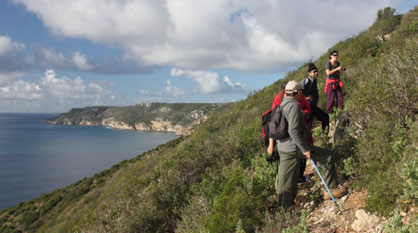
217, 179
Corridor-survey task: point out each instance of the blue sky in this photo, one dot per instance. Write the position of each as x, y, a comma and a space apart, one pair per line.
57, 55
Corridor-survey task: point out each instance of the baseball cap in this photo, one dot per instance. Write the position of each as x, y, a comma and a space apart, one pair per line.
292, 87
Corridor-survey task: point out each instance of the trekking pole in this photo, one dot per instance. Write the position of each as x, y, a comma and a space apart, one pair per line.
323, 181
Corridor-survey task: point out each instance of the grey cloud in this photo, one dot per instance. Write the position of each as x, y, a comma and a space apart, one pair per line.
12, 56
13, 62
210, 82
117, 65
48, 57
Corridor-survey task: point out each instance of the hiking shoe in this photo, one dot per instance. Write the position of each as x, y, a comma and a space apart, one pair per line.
272, 202
303, 179
337, 193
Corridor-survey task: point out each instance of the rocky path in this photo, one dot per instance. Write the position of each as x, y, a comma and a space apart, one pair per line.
325, 216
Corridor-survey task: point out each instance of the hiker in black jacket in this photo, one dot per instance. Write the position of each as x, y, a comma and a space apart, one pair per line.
310, 91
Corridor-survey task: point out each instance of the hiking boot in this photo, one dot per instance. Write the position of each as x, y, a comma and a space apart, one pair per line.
337, 193
272, 202
303, 179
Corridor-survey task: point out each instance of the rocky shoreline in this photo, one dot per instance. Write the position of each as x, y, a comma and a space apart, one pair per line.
172, 118
157, 125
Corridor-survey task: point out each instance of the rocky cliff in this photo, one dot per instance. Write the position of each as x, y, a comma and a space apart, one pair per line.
179, 118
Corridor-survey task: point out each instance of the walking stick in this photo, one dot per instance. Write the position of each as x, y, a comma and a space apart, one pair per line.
323, 181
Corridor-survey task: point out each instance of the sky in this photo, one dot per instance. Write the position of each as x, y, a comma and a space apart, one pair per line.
61, 54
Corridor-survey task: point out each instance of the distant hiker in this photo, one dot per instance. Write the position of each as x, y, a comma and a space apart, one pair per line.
306, 109
333, 84
310, 91
295, 148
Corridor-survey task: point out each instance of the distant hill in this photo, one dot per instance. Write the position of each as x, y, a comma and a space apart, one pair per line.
179, 118
217, 179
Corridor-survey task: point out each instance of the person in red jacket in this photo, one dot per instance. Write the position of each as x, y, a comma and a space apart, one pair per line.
306, 109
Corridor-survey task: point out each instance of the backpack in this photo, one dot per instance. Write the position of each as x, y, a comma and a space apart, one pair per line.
270, 128
278, 125
265, 120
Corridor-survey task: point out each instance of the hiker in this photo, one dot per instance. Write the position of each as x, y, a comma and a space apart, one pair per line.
295, 147
333, 84
306, 109
310, 91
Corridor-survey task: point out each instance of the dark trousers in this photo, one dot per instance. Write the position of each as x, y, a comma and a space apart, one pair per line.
302, 168
320, 115
331, 94
286, 179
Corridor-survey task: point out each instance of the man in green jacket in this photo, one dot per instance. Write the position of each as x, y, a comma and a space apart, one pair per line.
295, 148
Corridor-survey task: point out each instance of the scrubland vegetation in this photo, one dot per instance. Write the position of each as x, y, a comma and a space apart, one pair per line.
217, 179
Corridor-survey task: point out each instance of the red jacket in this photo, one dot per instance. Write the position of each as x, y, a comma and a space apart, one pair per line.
304, 105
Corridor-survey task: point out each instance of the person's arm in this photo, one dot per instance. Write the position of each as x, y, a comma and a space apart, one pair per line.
304, 105
304, 85
333, 71
294, 116
309, 97
330, 71
270, 149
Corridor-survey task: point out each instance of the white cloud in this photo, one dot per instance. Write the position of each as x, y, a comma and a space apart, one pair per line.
20, 90
243, 35
80, 61
63, 88
173, 90
69, 92
210, 82
52, 93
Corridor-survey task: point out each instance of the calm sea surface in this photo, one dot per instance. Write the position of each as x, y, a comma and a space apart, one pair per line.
36, 158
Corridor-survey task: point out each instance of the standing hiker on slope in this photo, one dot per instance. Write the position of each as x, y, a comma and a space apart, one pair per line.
333, 84
295, 147
310, 91
306, 110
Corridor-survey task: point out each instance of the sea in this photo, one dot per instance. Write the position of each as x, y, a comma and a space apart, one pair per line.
37, 158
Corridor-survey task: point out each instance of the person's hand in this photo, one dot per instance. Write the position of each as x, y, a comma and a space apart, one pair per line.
309, 97
307, 154
270, 150
339, 69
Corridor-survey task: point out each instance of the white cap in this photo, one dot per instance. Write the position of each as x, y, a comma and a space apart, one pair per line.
292, 87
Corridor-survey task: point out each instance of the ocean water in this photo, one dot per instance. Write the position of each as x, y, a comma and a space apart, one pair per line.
37, 158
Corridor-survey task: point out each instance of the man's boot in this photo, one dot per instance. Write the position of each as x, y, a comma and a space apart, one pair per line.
337, 192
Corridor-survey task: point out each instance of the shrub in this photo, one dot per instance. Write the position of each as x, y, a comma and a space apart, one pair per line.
29, 217
396, 225
286, 221
377, 102
235, 204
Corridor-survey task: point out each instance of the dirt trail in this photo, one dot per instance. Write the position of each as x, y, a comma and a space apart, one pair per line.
325, 216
